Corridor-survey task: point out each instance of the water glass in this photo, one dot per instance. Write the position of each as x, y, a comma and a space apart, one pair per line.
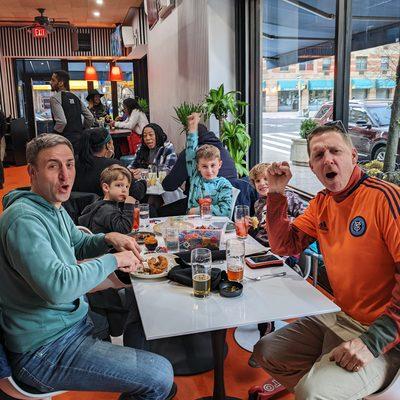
144, 174
205, 211
171, 236
242, 220
201, 272
235, 252
144, 215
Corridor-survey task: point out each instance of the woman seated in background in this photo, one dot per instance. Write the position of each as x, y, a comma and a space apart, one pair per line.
96, 152
155, 149
135, 122
96, 107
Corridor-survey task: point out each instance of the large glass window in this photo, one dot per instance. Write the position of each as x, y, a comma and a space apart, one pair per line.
125, 88
298, 58
374, 58
77, 83
103, 85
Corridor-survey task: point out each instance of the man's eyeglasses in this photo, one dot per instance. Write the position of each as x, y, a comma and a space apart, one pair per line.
337, 124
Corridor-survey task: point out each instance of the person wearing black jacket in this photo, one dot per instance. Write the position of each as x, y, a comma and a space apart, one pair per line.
96, 150
178, 175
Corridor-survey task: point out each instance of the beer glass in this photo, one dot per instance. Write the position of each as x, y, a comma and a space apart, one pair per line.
235, 252
201, 272
242, 219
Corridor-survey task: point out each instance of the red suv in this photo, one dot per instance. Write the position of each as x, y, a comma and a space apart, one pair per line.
368, 126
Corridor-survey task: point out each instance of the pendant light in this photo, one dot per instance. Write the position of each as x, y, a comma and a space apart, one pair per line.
90, 73
115, 74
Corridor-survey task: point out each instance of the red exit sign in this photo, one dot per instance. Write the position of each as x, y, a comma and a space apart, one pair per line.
39, 32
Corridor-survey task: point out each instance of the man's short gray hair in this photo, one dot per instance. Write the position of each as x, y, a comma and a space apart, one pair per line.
42, 142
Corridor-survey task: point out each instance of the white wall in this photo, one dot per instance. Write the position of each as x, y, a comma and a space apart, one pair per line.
189, 52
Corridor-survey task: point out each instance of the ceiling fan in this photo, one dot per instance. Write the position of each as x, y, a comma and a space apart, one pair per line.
50, 24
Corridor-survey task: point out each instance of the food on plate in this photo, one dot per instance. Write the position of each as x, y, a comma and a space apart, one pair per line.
151, 243
156, 265
141, 236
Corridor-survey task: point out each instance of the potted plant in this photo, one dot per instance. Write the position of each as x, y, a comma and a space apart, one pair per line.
220, 104
182, 113
298, 150
236, 139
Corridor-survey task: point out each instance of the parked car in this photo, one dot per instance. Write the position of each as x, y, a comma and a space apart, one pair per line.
368, 126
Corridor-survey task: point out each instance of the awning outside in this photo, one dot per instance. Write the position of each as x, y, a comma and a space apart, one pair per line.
287, 85
362, 83
385, 84
320, 84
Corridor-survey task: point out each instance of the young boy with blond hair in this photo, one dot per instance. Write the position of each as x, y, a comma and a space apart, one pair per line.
203, 164
258, 178
115, 212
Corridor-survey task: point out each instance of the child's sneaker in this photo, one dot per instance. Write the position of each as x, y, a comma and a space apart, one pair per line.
270, 388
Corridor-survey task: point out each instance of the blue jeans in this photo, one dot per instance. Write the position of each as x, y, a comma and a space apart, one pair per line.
77, 361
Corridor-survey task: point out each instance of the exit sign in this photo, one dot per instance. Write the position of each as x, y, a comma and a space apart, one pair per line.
39, 32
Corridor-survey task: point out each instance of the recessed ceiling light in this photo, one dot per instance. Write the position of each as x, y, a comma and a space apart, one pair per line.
96, 13
99, 2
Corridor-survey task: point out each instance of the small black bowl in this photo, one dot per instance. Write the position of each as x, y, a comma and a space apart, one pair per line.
230, 289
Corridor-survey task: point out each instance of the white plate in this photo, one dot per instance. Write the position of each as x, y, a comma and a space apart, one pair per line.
171, 263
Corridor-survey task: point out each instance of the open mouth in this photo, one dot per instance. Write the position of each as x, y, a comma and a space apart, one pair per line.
331, 175
64, 188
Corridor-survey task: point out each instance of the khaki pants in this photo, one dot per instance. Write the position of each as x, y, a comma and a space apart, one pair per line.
298, 357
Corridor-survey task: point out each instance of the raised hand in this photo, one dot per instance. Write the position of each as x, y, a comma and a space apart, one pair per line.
193, 122
279, 175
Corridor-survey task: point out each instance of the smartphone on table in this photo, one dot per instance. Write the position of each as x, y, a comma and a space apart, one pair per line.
266, 260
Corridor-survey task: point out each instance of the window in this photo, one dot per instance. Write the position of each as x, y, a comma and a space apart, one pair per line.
326, 64
385, 63
77, 82
284, 69
357, 114
125, 88
306, 66
103, 85
361, 63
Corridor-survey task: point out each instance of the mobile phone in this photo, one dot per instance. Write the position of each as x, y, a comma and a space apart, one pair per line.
267, 260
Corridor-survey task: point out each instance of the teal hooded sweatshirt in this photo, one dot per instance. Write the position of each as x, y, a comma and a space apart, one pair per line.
41, 283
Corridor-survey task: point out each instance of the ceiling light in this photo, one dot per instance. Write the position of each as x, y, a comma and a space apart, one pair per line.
99, 2
96, 13
90, 73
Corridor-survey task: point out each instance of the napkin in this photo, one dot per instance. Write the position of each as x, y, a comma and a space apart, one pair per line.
183, 275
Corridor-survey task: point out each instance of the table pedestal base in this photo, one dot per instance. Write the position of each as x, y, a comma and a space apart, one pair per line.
218, 341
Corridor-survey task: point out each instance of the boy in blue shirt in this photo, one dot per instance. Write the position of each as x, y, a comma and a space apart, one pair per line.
203, 164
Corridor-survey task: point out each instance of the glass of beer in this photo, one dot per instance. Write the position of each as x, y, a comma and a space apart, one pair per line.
242, 220
201, 272
235, 252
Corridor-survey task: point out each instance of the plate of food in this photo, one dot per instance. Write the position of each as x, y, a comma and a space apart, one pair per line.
171, 223
155, 265
140, 237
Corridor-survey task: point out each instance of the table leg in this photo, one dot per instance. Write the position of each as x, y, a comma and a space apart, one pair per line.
218, 343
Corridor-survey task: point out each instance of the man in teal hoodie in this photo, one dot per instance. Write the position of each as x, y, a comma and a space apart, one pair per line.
43, 313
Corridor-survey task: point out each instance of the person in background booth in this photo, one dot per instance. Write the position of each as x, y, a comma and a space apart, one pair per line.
136, 121
96, 154
356, 220
44, 316
96, 107
155, 149
67, 110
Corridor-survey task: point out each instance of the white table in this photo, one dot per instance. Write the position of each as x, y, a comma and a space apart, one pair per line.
169, 309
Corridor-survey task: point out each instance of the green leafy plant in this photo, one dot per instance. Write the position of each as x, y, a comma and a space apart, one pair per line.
306, 127
236, 139
143, 104
183, 111
220, 104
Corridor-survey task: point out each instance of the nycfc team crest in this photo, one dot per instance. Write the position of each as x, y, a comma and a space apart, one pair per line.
358, 226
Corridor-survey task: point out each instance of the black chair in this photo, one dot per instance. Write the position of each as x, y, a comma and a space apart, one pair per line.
16, 142
77, 202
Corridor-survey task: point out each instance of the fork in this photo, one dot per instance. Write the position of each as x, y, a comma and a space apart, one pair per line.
258, 278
